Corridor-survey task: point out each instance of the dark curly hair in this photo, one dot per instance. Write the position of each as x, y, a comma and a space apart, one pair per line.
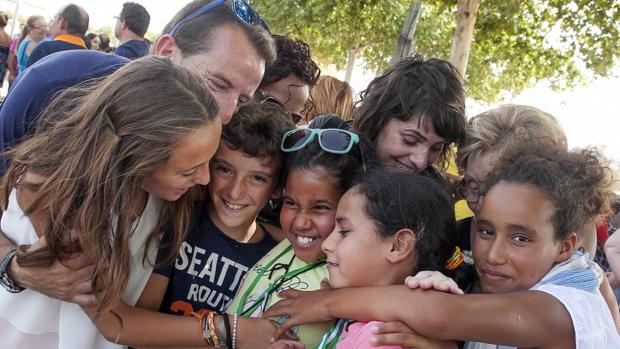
257, 129
293, 58
578, 183
412, 88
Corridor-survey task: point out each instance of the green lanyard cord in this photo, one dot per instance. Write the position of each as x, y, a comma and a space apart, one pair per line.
272, 285
330, 339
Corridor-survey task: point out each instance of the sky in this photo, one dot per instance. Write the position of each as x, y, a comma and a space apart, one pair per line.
101, 12
588, 114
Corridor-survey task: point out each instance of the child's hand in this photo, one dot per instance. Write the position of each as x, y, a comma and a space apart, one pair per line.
398, 334
302, 307
434, 280
286, 344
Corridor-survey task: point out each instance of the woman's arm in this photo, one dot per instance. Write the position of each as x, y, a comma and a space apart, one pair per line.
145, 328
523, 319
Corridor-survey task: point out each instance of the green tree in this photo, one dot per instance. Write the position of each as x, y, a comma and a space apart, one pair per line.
513, 43
339, 31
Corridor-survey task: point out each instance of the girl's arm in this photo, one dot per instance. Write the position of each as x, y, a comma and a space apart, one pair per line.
523, 319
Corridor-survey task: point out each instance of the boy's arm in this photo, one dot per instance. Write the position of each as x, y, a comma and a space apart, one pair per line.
523, 319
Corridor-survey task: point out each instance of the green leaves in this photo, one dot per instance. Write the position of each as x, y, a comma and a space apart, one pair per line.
333, 27
516, 43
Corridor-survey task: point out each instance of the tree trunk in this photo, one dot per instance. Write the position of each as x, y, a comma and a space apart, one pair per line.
405, 39
463, 34
353, 52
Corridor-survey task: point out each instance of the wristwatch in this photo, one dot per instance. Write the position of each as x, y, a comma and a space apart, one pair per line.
5, 280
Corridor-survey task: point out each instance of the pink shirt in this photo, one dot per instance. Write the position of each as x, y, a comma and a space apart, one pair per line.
358, 335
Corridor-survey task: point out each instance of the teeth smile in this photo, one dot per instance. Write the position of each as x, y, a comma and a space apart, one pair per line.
233, 206
305, 240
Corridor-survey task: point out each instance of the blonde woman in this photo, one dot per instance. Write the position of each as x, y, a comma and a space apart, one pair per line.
32, 35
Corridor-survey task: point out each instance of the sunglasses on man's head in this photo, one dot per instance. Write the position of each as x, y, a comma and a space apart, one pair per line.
242, 10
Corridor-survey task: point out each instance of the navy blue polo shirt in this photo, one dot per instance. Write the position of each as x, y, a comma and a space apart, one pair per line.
34, 88
133, 49
46, 48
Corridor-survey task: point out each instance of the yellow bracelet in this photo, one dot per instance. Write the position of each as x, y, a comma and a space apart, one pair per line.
457, 258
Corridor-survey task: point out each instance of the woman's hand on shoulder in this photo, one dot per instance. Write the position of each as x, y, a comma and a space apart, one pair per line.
433, 280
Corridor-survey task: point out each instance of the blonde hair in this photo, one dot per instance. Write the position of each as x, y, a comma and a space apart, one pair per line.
95, 145
331, 96
28, 27
509, 126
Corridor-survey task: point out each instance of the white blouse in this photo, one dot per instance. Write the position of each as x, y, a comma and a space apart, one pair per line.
32, 320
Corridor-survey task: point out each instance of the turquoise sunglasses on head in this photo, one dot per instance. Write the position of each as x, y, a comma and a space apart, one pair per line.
332, 140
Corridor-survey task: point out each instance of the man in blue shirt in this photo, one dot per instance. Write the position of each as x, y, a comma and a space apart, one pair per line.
131, 25
67, 28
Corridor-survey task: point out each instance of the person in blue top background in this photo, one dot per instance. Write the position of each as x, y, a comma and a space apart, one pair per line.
67, 28
131, 25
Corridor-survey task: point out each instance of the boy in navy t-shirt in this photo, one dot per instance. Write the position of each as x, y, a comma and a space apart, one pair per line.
225, 240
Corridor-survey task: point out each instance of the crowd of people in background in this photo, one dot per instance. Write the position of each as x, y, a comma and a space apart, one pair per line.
67, 31
213, 188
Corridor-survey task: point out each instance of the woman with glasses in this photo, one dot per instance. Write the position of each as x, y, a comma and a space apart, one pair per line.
489, 135
32, 35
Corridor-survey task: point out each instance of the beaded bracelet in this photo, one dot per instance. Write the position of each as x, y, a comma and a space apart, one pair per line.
211, 328
234, 334
205, 335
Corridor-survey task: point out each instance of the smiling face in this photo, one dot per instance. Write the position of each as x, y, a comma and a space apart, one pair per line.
309, 210
356, 254
515, 245
187, 165
240, 186
412, 145
231, 68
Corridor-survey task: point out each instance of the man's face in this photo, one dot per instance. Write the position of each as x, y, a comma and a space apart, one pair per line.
55, 26
231, 69
118, 27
